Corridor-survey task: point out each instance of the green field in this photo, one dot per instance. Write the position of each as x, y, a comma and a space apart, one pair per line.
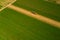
16, 26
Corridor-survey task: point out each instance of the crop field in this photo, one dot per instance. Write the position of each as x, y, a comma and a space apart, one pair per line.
17, 26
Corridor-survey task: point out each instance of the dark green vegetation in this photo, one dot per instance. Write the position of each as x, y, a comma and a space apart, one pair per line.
51, 10
16, 26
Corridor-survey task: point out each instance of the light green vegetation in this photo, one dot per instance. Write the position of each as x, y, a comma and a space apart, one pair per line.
5, 3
